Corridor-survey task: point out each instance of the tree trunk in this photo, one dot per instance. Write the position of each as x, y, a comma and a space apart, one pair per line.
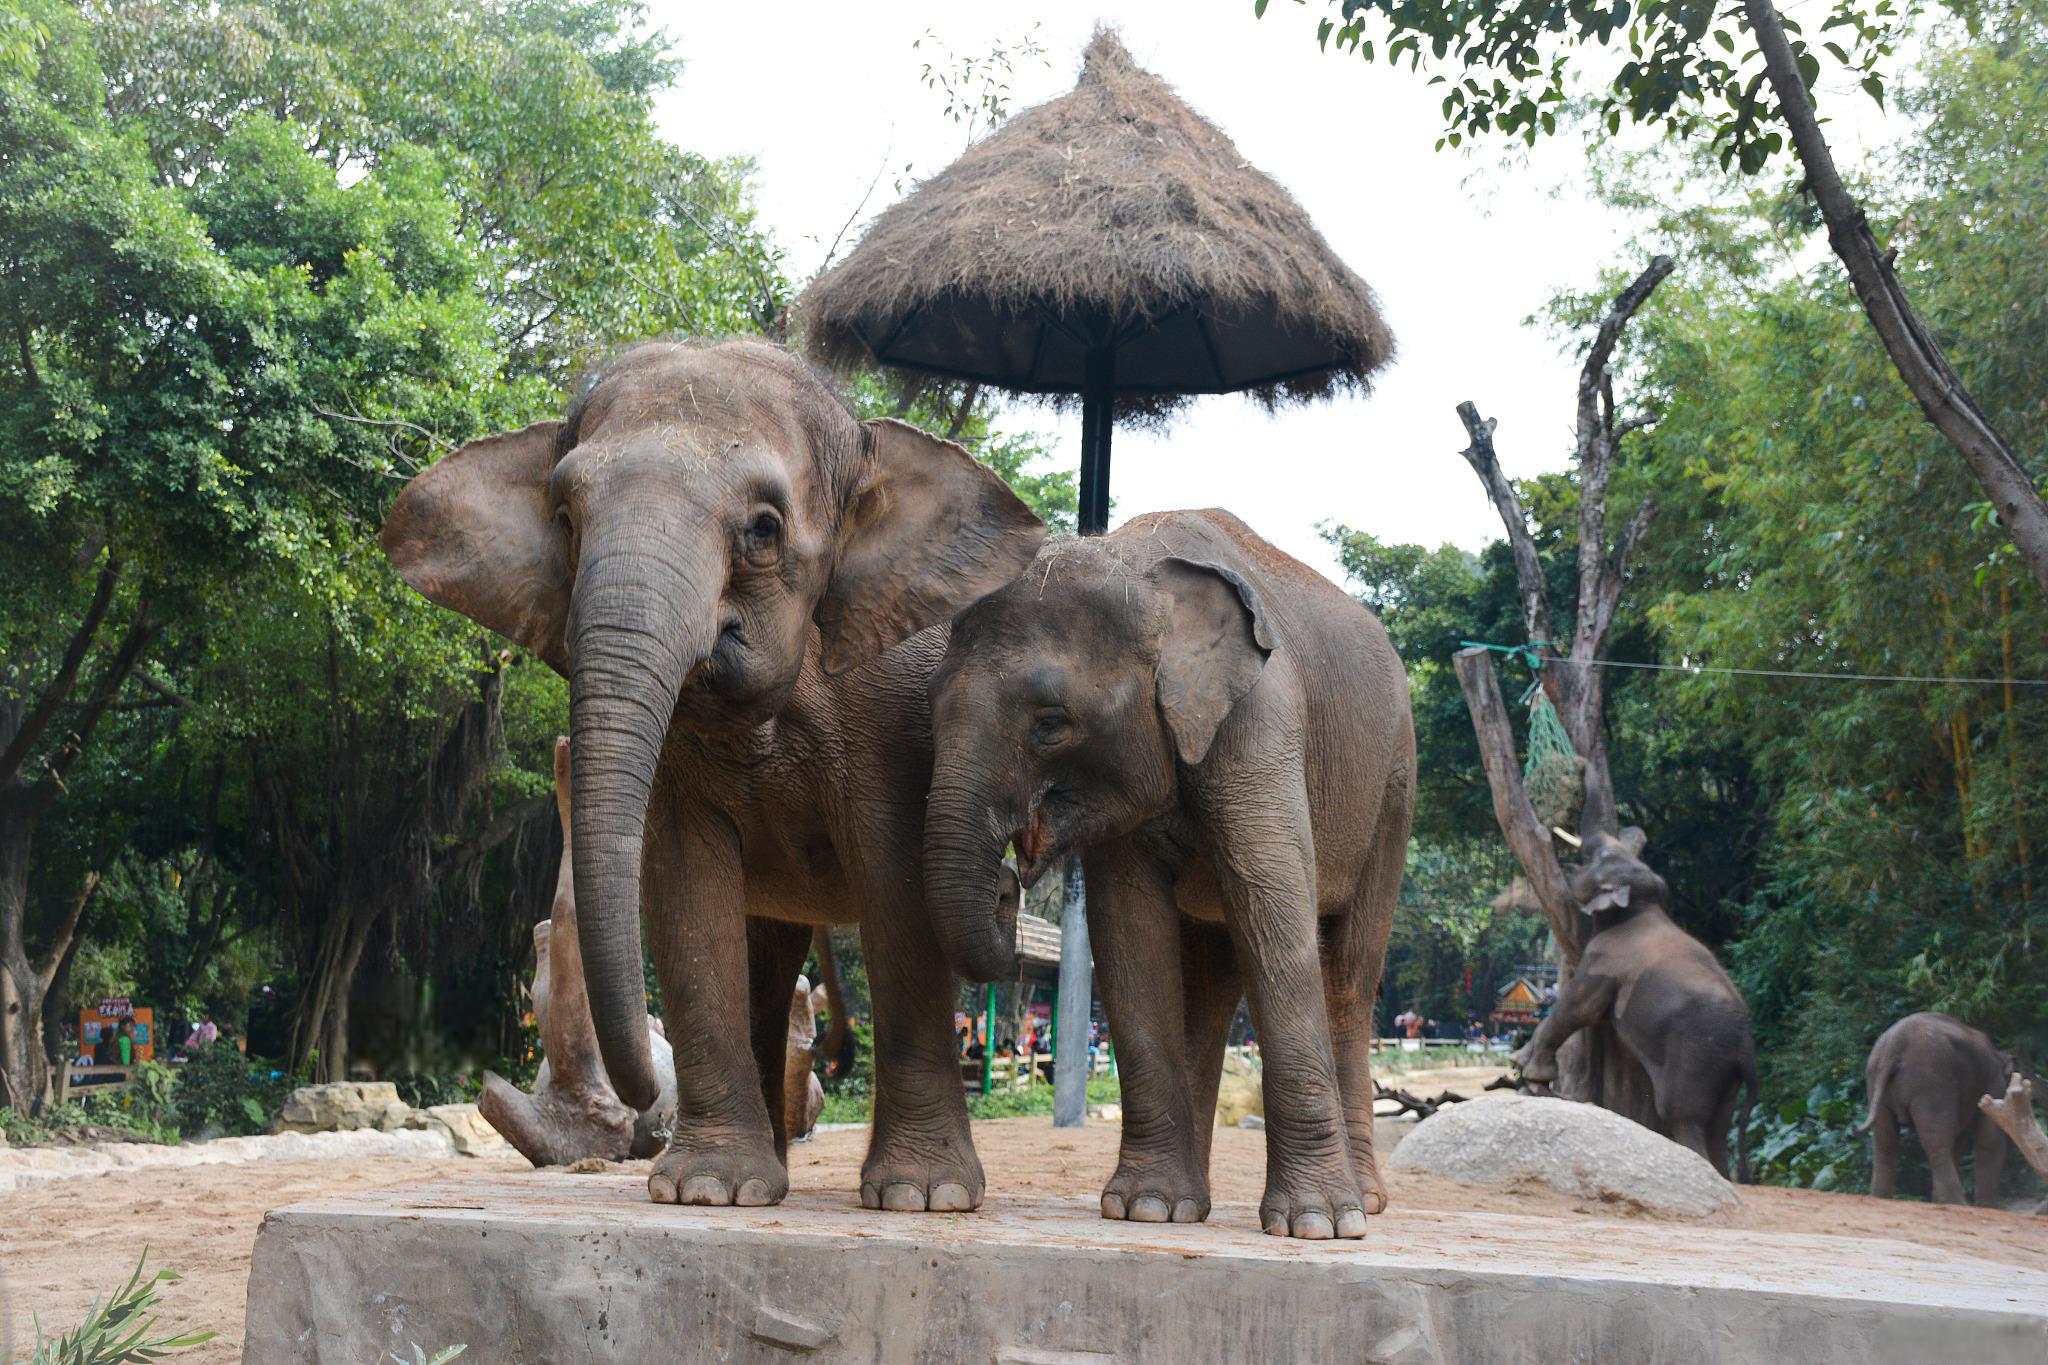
2014, 1112
1076, 993
24, 1073
1914, 353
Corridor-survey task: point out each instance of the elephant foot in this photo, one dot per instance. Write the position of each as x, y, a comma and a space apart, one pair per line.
1537, 1072
704, 1170
1313, 1201
1366, 1163
1161, 1190
908, 1176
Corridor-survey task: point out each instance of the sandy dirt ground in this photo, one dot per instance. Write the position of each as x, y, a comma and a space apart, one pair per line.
61, 1242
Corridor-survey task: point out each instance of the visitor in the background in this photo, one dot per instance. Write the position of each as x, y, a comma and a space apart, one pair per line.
125, 1045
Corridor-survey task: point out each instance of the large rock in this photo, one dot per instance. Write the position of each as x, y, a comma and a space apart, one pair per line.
1240, 1095
343, 1107
1577, 1149
471, 1132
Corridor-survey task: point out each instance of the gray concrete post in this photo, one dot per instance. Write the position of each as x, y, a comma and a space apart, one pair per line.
1077, 989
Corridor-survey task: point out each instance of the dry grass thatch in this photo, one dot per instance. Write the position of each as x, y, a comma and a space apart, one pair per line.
1117, 211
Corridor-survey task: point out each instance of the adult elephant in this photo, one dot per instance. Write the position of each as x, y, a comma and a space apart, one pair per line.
1225, 739
732, 571
1672, 1004
1928, 1070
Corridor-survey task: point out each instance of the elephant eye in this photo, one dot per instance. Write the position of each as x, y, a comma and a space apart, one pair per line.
761, 542
1051, 727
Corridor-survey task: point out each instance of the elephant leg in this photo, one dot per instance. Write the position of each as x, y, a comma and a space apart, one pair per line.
1884, 1152
1134, 931
1585, 1000
921, 1148
1937, 1133
723, 1149
775, 957
1354, 954
1213, 986
1991, 1145
1717, 1131
1265, 866
1683, 1112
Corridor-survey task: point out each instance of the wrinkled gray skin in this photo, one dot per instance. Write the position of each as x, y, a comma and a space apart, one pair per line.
1928, 1070
732, 573
1225, 739
1669, 999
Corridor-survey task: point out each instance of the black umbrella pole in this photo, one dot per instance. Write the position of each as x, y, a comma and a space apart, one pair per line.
1098, 409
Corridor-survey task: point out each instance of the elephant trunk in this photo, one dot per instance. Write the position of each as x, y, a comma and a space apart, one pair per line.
641, 618
964, 839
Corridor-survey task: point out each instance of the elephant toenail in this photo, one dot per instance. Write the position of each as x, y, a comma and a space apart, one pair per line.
1187, 1211
1148, 1208
753, 1192
703, 1189
1113, 1207
1273, 1223
870, 1196
1351, 1223
1375, 1201
902, 1197
1313, 1227
950, 1197
661, 1189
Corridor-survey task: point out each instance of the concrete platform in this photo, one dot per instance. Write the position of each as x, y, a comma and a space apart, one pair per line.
543, 1269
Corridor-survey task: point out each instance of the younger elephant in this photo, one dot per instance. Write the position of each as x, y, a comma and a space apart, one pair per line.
1928, 1070
1225, 739
1669, 999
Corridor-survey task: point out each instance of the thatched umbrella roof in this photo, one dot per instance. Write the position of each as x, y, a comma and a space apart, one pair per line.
1113, 216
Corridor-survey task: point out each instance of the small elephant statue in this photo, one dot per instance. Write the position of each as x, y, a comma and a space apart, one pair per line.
1929, 1070
573, 1113
1224, 737
747, 589
1671, 1003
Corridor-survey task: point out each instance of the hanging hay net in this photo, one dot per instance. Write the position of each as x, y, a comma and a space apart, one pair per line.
1551, 774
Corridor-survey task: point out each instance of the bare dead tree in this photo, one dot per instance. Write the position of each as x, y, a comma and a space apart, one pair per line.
1594, 1065
1914, 353
2014, 1112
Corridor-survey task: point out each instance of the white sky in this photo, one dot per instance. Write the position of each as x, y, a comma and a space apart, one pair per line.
1460, 251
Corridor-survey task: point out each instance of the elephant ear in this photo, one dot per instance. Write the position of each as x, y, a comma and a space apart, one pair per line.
929, 529
1214, 647
474, 533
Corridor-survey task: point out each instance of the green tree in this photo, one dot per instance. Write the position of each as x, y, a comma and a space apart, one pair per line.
1743, 76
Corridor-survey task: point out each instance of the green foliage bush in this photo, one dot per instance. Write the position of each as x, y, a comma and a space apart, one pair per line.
222, 1090
1811, 1141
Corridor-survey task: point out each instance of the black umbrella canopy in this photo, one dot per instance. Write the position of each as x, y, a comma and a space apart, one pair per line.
1110, 243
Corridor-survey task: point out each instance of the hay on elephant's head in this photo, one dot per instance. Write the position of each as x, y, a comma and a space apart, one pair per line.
1114, 201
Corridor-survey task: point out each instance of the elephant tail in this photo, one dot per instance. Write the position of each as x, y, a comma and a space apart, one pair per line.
1877, 1106
1742, 1171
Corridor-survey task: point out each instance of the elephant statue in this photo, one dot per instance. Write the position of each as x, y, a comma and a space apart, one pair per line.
803, 1096
1224, 737
1671, 1003
573, 1113
1929, 1070
737, 578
